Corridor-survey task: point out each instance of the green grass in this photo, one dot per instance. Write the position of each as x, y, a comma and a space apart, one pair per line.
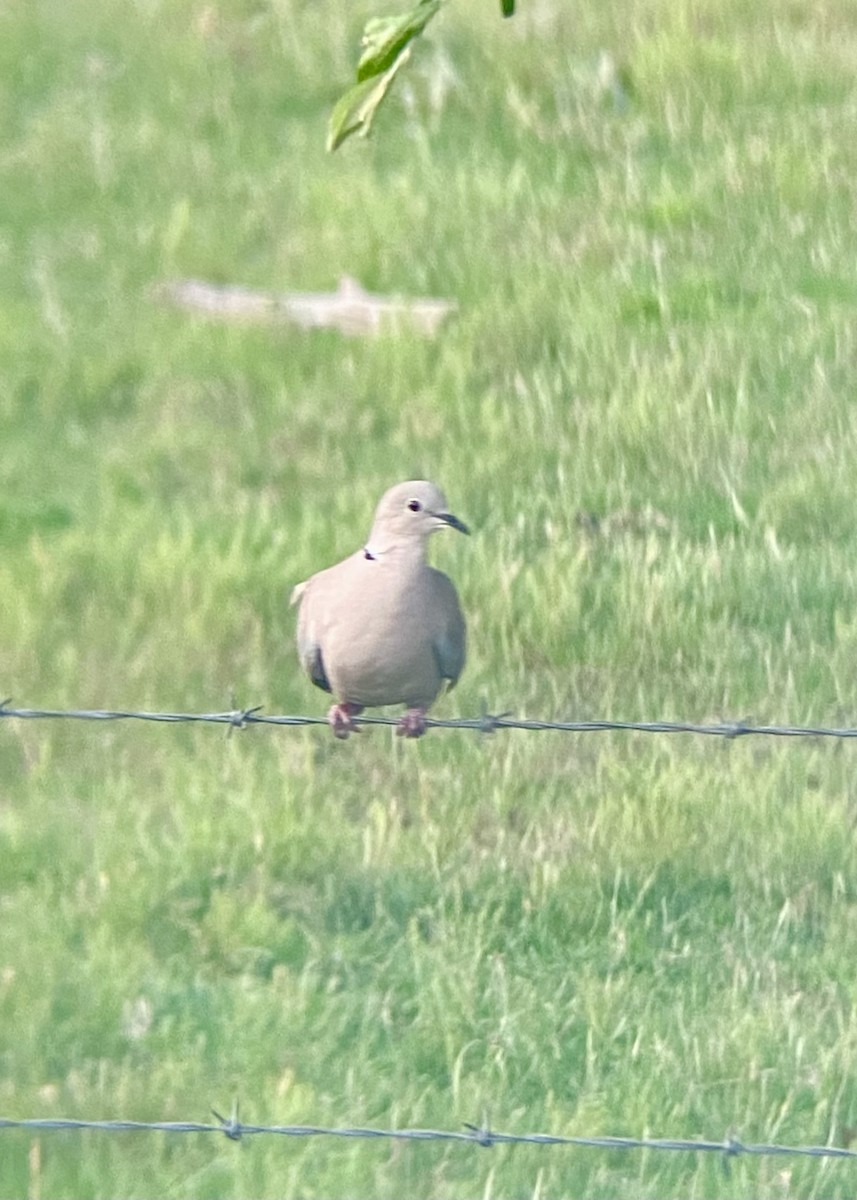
644, 409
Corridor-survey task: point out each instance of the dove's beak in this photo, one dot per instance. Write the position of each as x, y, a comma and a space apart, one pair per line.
453, 522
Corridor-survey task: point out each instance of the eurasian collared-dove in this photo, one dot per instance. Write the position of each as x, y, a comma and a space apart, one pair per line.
382, 626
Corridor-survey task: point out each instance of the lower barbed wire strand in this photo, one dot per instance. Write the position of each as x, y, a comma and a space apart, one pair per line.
471, 1134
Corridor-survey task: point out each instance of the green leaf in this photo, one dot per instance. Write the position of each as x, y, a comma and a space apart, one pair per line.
385, 38
355, 111
507, 7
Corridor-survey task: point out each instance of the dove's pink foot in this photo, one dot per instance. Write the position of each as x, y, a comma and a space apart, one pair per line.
340, 718
412, 724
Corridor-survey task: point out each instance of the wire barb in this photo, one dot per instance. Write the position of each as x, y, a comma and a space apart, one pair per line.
242, 717
231, 1126
481, 1135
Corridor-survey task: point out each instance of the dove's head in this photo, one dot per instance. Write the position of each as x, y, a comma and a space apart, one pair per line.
407, 514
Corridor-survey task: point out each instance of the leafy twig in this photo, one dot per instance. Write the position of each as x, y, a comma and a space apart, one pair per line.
386, 48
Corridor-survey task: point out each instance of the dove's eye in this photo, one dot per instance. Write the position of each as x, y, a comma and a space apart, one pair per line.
414, 505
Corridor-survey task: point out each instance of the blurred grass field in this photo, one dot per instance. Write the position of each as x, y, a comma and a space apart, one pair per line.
645, 410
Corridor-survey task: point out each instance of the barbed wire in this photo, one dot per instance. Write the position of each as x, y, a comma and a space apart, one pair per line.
241, 718
487, 723
235, 1130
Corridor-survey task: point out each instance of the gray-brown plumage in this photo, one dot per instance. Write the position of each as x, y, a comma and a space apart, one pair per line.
382, 626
